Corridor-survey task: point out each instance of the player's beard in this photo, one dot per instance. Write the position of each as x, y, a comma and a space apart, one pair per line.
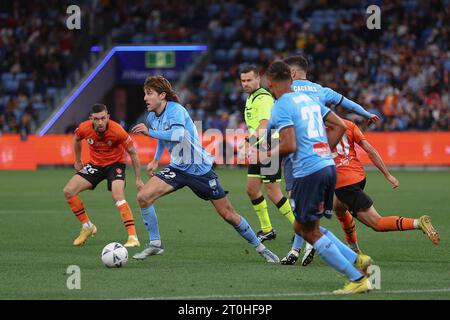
97, 129
248, 90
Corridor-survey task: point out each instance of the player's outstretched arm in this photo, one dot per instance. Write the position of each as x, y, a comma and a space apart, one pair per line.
338, 99
336, 128
136, 167
375, 157
78, 165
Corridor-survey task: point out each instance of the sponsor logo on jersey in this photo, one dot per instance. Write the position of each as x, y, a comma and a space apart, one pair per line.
322, 149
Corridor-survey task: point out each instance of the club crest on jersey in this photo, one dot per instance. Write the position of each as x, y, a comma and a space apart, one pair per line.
213, 183
90, 141
109, 143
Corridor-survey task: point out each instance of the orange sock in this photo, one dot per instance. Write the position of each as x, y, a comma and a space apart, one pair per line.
349, 227
127, 217
395, 223
77, 207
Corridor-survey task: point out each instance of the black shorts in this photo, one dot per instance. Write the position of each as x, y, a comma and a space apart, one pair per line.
313, 195
205, 186
267, 173
96, 174
354, 197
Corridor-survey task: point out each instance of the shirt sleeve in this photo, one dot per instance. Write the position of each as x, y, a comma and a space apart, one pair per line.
358, 136
281, 116
124, 139
80, 132
264, 104
159, 150
177, 118
354, 107
331, 97
324, 110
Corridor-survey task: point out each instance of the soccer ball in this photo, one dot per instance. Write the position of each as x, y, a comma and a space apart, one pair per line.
114, 255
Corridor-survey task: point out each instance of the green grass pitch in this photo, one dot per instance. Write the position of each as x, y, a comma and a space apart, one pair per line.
204, 257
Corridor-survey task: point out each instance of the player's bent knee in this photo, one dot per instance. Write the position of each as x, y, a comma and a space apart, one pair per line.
252, 192
144, 199
274, 191
118, 196
69, 192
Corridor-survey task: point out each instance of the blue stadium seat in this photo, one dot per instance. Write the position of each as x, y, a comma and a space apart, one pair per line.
7, 76
11, 85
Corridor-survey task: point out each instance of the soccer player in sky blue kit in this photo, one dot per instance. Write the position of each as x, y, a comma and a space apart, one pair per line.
190, 165
300, 121
328, 97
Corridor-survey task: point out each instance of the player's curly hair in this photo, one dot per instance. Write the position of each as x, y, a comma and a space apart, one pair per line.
279, 71
160, 85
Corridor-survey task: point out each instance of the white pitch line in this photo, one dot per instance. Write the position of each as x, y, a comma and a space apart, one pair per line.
293, 294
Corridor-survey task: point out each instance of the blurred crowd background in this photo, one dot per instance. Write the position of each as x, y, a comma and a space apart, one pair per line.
400, 72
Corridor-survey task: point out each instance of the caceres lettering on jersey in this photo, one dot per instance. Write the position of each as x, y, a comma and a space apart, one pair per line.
349, 168
106, 148
328, 96
188, 154
325, 95
305, 115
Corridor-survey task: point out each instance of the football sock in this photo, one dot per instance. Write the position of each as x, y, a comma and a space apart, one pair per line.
247, 232
332, 256
260, 207
151, 222
298, 242
285, 209
127, 217
348, 253
260, 247
395, 223
76, 205
87, 224
349, 227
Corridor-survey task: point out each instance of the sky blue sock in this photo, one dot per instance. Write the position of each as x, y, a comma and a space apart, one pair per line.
151, 222
298, 242
332, 256
247, 232
348, 253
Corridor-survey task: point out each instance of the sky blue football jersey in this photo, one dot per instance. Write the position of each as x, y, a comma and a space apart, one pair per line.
325, 95
188, 154
306, 115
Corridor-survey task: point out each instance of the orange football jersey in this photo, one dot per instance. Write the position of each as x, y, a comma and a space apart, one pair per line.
106, 148
349, 168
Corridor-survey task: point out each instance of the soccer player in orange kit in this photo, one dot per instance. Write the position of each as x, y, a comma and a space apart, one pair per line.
107, 142
350, 194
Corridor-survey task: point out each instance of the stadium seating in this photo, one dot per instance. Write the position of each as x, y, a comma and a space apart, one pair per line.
401, 72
